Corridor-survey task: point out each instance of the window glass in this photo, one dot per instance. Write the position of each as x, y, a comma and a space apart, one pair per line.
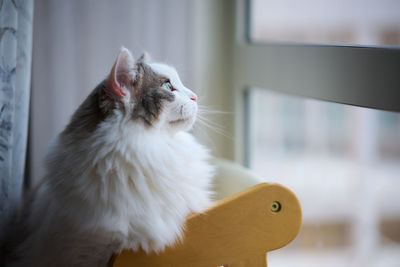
343, 163
349, 22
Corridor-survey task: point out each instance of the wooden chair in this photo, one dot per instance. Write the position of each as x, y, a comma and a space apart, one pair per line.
237, 231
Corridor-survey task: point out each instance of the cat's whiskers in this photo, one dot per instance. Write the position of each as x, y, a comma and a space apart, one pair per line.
209, 110
210, 124
216, 128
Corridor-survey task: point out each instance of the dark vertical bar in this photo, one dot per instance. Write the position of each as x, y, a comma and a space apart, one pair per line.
248, 21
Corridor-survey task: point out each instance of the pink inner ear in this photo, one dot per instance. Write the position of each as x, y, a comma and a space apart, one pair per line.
117, 90
120, 75
115, 87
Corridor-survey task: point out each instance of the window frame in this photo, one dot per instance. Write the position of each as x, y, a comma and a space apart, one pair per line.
354, 75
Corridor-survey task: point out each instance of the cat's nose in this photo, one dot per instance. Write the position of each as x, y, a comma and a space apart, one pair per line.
194, 98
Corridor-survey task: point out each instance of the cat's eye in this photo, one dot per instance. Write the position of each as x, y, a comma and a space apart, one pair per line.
168, 85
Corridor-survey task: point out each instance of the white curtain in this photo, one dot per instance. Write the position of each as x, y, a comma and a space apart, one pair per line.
75, 45
15, 73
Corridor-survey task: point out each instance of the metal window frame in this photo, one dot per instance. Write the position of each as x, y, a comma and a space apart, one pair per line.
354, 75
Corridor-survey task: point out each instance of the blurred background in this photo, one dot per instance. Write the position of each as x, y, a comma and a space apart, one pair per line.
342, 161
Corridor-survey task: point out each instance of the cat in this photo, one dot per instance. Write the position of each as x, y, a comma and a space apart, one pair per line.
124, 173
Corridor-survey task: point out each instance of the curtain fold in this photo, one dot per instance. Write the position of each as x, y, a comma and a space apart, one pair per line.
16, 17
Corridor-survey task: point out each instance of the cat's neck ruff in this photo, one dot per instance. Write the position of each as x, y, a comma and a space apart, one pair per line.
140, 172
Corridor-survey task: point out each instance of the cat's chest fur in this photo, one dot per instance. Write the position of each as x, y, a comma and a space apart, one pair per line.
141, 183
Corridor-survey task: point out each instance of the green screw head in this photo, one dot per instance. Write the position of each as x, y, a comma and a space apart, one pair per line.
275, 206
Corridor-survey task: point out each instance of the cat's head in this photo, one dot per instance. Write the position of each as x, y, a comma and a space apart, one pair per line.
150, 93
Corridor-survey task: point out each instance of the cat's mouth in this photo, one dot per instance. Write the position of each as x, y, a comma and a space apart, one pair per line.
178, 121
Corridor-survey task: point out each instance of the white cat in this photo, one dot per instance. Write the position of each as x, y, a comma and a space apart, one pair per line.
125, 173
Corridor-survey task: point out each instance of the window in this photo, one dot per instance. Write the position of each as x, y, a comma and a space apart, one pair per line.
356, 22
343, 161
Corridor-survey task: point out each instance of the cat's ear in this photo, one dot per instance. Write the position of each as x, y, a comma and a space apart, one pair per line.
122, 74
145, 57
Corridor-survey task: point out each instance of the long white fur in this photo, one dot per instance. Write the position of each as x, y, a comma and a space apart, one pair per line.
127, 186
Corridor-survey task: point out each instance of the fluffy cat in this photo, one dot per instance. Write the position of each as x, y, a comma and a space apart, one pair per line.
125, 172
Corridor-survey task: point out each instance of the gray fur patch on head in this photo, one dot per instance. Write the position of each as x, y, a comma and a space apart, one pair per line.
149, 95
146, 93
